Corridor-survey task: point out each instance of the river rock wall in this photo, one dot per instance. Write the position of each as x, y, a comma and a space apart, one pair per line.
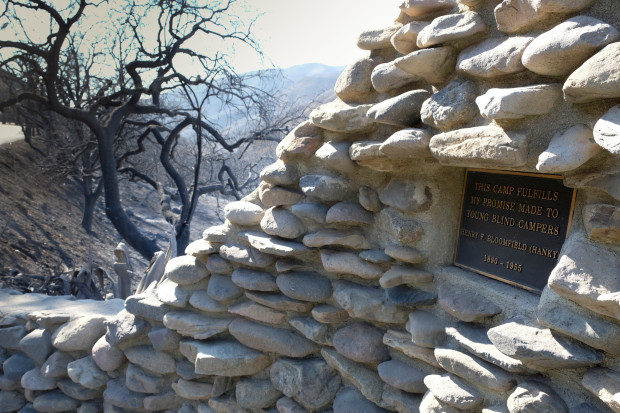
332, 286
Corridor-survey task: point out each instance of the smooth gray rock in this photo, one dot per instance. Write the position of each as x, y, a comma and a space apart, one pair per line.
324, 187
538, 347
305, 286
494, 57
433, 65
466, 306
430, 404
354, 85
273, 245
329, 314
377, 38
202, 301
37, 345
350, 238
410, 297
401, 341
361, 342
401, 401
56, 365
401, 227
451, 107
34, 380
338, 116
243, 213
607, 131
80, 333
366, 150
54, 401
604, 177
376, 257
254, 280
227, 358
288, 405
16, 366
312, 330
164, 339
406, 254
198, 326
349, 400
334, 155
85, 372
475, 370
568, 150
404, 274
311, 382
595, 79
185, 270
572, 320
271, 339
222, 289
311, 211
118, 395
157, 362
421, 8
602, 223
257, 312
279, 301
427, 330
280, 173
217, 265
79, 392
364, 379
163, 401
256, 393
146, 305
561, 50
11, 336
402, 376
201, 247
519, 102
451, 28
482, 146
273, 195
535, 396
409, 195
192, 390
172, 294
407, 143
367, 303
402, 110
124, 327
387, 76
348, 213
476, 341
283, 223
605, 384
586, 272
11, 401
245, 255
368, 198
349, 263
453, 391
217, 233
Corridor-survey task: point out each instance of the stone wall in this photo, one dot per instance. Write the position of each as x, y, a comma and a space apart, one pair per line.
332, 288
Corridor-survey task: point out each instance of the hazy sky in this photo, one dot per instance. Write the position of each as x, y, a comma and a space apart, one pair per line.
293, 32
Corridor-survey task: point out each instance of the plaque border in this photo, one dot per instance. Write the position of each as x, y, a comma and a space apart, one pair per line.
496, 171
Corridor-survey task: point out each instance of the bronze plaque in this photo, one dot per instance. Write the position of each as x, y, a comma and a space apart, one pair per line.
513, 225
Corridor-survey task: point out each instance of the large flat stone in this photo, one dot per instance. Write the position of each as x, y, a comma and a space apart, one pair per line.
348, 213
350, 238
313, 330
349, 400
254, 280
243, 213
387, 76
449, 108
401, 401
519, 15
361, 342
453, 391
334, 155
224, 357
405, 39
482, 146
195, 325
354, 85
401, 341
273, 245
408, 195
222, 289
367, 303
274, 195
185, 270
157, 362
607, 131
280, 173
585, 273
407, 143
605, 384
257, 312
325, 187
256, 393
279, 302
427, 330
245, 255
305, 286
402, 376
450, 28
377, 38
270, 339
539, 347
349, 263
466, 306
283, 223
421, 8
403, 274
402, 110
85, 372
79, 334
519, 102
300, 143
564, 48
338, 116
568, 150
595, 79
401, 227
535, 396
432, 65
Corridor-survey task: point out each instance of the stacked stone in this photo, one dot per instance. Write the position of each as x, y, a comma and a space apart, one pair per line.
45, 353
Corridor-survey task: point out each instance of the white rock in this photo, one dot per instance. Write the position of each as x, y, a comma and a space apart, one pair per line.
338, 116
607, 130
596, 78
497, 56
281, 222
519, 102
564, 48
243, 213
417, 8
407, 143
401, 110
484, 147
335, 155
433, 65
516, 15
404, 40
451, 107
377, 38
354, 85
568, 150
387, 76
450, 28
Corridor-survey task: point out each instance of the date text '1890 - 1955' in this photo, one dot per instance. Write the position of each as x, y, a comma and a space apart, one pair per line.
513, 225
